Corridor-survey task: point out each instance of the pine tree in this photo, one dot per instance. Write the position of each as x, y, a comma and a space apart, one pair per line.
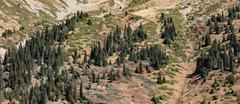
126, 13
207, 40
232, 63
161, 79
85, 57
20, 63
89, 22
98, 79
81, 95
75, 96
93, 78
155, 100
231, 79
217, 28
111, 76
162, 18
201, 67
75, 56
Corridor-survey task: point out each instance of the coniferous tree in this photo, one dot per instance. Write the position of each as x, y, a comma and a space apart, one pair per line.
85, 57
69, 93
169, 33
207, 40
201, 67
75, 56
111, 76
39, 51
161, 79
89, 22
98, 79
81, 95
7, 33
162, 18
139, 69
231, 79
93, 78
232, 62
75, 96
126, 13
155, 100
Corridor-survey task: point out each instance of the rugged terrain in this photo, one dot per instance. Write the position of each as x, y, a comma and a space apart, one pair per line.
25, 18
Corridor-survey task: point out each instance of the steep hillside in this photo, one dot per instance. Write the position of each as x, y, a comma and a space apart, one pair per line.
17, 13
119, 51
22, 18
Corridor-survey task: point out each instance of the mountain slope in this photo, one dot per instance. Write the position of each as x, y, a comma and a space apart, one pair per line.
115, 51
17, 13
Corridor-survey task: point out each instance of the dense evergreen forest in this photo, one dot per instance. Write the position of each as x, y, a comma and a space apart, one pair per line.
119, 51
222, 55
33, 73
40, 60
125, 47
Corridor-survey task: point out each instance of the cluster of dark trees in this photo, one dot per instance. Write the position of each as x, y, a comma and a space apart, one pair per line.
220, 56
94, 78
117, 43
169, 32
39, 62
98, 55
154, 54
217, 57
231, 79
7, 33
161, 79
233, 12
34, 72
215, 23
124, 46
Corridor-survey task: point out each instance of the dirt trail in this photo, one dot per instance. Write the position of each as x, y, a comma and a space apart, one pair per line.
182, 80
190, 66
187, 66
150, 11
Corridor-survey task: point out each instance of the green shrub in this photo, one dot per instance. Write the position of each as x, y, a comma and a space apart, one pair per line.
231, 79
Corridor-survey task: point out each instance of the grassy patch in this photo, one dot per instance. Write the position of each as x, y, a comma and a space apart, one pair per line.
174, 58
163, 97
134, 3
178, 20
46, 16
169, 72
87, 34
212, 8
5, 44
23, 15
63, 2
165, 87
171, 82
49, 5
151, 27
180, 42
